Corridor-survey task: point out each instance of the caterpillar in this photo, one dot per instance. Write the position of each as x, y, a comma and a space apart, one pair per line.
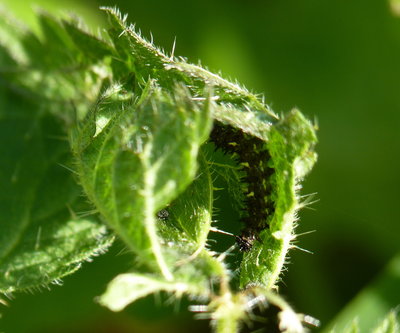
252, 156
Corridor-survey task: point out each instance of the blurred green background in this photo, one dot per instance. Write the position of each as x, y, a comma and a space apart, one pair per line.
339, 63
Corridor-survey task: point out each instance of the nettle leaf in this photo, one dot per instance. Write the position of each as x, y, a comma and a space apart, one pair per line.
58, 43
92, 48
191, 212
390, 324
53, 68
134, 158
48, 228
140, 126
291, 149
376, 307
145, 60
289, 141
127, 288
183, 232
290, 144
43, 238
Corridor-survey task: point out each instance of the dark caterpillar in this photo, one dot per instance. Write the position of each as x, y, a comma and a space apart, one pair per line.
251, 154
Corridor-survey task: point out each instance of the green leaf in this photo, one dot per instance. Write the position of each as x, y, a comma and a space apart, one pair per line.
353, 327
183, 233
127, 288
139, 119
135, 158
290, 140
11, 46
53, 68
290, 143
192, 210
91, 47
61, 51
42, 239
373, 302
145, 60
391, 324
